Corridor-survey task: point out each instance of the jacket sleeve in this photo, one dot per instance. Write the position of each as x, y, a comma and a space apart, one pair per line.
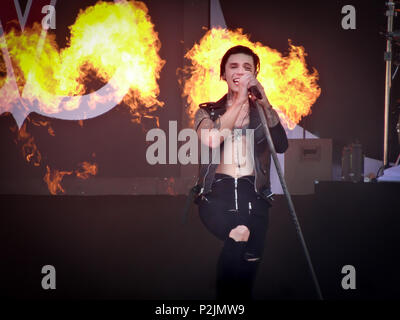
199, 116
279, 138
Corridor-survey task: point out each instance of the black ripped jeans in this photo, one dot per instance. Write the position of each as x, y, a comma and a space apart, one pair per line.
233, 202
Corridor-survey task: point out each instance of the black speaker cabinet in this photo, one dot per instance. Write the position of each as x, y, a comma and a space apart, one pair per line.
307, 161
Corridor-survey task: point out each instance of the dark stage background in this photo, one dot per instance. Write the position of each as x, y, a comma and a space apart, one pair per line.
133, 246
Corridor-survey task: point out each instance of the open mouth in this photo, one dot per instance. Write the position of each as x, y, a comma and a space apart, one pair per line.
236, 81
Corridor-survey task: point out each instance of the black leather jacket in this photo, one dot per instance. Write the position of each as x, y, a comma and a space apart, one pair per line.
261, 154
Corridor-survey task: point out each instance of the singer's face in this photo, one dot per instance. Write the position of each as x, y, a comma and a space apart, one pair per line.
236, 66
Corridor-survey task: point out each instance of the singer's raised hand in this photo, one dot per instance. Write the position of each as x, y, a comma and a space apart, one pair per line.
272, 116
244, 84
264, 100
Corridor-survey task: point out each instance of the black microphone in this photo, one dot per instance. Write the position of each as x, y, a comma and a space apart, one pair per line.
255, 92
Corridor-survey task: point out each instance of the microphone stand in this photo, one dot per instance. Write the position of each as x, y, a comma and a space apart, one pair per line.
390, 13
288, 197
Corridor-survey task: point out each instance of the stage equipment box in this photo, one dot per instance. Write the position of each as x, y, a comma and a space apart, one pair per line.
307, 161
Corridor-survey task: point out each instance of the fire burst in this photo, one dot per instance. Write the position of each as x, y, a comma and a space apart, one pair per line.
53, 179
290, 87
115, 42
86, 170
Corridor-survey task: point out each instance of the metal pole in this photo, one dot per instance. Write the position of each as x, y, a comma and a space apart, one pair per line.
388, 81
288, 197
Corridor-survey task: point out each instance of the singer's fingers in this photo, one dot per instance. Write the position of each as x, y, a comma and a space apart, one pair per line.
248, 79
245, 79
243, 84
253, 81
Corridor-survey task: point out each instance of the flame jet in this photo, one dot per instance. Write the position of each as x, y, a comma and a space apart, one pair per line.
115, 40
289, 85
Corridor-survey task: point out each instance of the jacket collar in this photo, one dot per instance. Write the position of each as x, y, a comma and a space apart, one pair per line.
221, 103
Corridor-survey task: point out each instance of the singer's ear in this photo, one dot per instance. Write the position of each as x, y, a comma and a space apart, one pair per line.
223, 77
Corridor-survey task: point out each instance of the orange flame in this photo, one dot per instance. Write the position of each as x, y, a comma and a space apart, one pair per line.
41, 123
3, 71
86, 170
53, 180
290, 87
54, 177
109, 40
114, 43
29, 149
170, 185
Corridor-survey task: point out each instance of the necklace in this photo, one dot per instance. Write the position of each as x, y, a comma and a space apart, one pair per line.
244, 118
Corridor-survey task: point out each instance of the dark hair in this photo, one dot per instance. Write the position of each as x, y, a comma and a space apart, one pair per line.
235, 50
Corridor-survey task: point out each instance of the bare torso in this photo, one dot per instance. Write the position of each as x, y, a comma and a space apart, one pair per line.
236, 156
